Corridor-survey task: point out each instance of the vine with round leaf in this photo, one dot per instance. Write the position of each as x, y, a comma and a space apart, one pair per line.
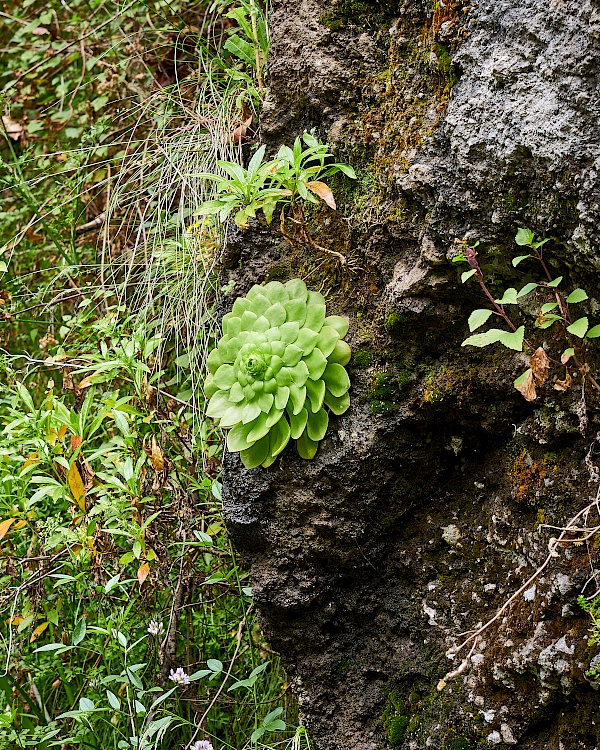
555, 311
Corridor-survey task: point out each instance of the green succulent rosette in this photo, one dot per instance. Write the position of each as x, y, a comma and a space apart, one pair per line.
276, 372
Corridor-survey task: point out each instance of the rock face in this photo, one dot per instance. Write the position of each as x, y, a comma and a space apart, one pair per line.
421, 513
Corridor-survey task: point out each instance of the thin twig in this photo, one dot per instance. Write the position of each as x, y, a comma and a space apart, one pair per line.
98, 221
553, 545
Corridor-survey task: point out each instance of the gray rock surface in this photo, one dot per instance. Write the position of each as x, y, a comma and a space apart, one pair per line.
420, 514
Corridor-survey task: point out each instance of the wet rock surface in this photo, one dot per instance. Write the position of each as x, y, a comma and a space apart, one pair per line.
421, 513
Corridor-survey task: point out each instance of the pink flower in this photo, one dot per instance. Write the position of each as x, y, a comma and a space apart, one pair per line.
179, 676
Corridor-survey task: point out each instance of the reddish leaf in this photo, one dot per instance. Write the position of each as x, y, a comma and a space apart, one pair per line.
75, 442
323, 191
143, 572
239, 133
566, 355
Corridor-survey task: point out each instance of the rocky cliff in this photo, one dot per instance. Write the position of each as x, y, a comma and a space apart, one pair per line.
431, 500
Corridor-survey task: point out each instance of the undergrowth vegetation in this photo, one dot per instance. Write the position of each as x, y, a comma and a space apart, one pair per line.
125, 619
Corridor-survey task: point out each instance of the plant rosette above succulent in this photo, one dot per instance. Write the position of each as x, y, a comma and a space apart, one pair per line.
279, 364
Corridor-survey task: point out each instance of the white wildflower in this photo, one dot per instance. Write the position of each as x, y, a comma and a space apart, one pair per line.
179, 676
156, 627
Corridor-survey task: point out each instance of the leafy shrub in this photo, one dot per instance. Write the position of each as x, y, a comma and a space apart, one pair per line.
279, 362
294, 173
554, 312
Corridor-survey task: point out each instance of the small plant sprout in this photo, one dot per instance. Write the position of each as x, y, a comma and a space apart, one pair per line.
301, 171
244, 191
294, 175
554, 311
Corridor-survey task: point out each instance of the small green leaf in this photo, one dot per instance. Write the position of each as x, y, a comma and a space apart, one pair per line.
508, 298
317, 425
522, 378
540, 243
519, 259
337, 404
200, 674
484, 339
568, 353
593, 333
257, 734
524, 236
58, 647
548, 307
460, 258
547, 321
336, 379
527, 289
513, 340
85, 704
25, 623
579, 328
341, 354
466, 275
477, 318
215, 666
112, 583
555, 282
134, 679
113, 700
79, 632
577, 295
307, 448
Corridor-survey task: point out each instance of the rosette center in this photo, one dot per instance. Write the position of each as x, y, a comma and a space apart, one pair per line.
254, 364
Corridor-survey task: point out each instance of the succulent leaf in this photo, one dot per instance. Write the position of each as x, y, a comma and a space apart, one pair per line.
306, 447
276, 372
338, 405
298, 422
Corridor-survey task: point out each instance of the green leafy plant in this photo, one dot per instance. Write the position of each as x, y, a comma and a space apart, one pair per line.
301, 170
555, 310
249, 41
294, 173
246, 191
278, 364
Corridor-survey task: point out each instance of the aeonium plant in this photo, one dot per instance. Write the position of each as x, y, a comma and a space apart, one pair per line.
276, 371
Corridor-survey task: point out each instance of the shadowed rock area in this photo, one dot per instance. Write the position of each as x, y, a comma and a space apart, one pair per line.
421, 513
